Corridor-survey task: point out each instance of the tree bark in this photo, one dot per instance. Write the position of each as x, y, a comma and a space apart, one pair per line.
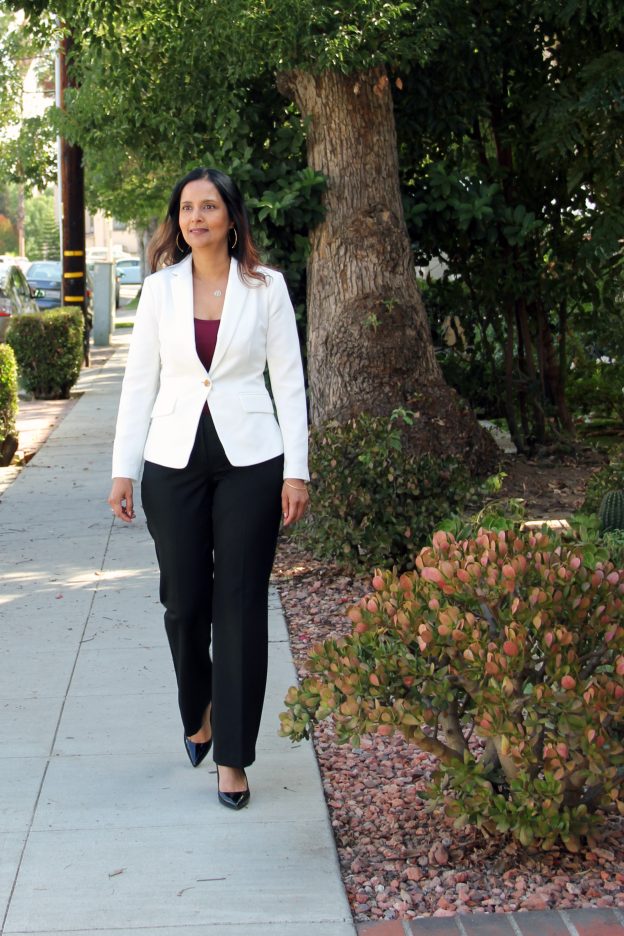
514, 431
368, 337
20, 222
553, 371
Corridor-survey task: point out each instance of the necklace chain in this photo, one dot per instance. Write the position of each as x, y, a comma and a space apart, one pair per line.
217, 293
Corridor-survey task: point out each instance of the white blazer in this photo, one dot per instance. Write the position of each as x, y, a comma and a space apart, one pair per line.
165, 384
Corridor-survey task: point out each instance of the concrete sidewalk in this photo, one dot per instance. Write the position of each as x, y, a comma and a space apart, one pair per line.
104, 825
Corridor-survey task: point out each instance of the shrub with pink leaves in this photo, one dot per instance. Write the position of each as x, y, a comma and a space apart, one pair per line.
503, 656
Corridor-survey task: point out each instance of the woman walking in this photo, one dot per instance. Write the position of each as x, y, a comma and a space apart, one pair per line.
219, 469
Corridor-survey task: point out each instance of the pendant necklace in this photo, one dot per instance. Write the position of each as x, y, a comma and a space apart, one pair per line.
217, 293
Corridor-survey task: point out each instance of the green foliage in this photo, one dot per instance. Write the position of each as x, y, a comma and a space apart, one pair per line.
8, 235
48, 347
613, 542
502, 655
41, 229
26, 143
608, 478
373, 500
468, 348
611, 512
596, 387
250, 36
497, 514
512, 181
598, 546
8, 392
153, 101
595, 378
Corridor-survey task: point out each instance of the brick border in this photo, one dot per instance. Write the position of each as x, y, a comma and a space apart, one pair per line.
601, 921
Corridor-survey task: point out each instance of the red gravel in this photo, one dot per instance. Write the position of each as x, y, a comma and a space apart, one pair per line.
397, 859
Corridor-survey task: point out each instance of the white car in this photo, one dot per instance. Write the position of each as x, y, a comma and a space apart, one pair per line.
9, 260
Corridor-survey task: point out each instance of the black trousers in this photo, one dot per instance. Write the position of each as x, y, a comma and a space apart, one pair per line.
215, 530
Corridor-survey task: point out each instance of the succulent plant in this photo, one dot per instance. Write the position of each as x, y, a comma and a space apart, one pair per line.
503, 655
611, 511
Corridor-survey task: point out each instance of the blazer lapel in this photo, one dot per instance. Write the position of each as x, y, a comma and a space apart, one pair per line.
183, 301
236, 294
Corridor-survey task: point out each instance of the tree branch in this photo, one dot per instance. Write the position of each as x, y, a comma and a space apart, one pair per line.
452, 729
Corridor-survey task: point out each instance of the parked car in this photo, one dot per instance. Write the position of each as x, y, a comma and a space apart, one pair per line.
129, 271
45, 276
15, 296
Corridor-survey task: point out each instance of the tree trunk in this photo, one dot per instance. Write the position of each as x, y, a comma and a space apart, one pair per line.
20, 222
533, 380
145, 235
509, 390
369, 343
553, 371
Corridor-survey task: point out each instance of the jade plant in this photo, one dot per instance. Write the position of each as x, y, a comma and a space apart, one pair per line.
503, 656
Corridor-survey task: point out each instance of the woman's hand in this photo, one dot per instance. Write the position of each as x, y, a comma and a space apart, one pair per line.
120, 499
295, 500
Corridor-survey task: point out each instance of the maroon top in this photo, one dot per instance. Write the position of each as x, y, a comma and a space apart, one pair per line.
206, 339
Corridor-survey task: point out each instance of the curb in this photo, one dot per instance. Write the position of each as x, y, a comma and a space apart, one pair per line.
589, 922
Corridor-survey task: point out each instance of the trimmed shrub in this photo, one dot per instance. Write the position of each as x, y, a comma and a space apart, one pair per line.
8, 404
48, 347
373, 501
504, 657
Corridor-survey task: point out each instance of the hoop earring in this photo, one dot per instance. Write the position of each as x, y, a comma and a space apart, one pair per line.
232, 246
181, 249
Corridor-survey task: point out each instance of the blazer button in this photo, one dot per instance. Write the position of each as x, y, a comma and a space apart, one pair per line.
206, 382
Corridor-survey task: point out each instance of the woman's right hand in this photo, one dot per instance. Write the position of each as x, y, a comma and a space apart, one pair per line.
120, 499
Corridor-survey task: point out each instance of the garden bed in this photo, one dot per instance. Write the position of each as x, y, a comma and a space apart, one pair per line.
399, 860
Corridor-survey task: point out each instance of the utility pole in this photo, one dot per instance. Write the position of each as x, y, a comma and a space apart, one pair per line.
74, 283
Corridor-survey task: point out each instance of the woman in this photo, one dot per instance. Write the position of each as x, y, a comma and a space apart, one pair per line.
218, 466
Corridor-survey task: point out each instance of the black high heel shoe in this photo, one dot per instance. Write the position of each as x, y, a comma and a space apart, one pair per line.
234, 800
197, 751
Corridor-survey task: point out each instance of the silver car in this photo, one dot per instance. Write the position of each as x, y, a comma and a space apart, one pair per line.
129, 272
16, 296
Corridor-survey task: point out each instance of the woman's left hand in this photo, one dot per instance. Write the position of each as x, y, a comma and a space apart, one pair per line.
295, 500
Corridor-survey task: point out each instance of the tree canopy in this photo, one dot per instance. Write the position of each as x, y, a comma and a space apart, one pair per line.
164, 83
26, 142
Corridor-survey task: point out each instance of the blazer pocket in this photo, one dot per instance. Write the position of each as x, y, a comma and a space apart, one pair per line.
256, 402
164, 405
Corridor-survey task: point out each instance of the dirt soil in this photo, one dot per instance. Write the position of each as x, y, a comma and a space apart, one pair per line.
399, 860
552, 485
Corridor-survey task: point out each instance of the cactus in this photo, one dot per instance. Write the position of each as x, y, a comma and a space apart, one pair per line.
611, 511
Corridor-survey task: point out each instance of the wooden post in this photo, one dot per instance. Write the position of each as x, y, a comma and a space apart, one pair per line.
74, 285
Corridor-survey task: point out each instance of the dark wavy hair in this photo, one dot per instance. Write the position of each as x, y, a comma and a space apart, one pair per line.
164, 248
